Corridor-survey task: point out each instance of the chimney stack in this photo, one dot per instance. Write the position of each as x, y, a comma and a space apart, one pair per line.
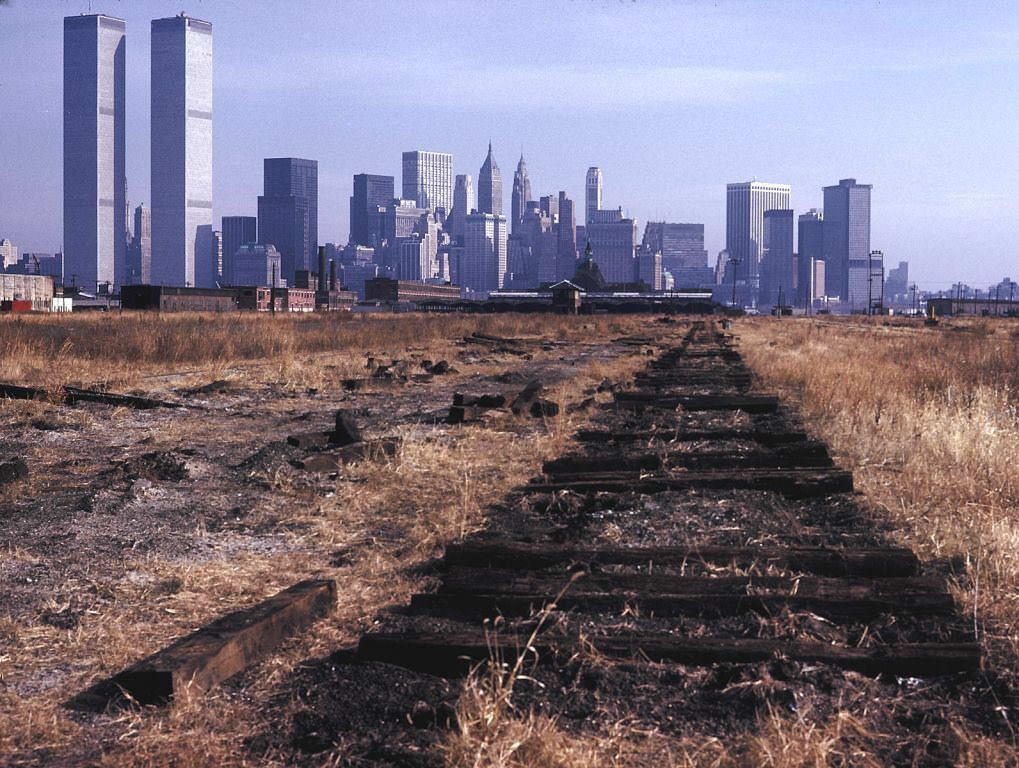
332, 274
322, 268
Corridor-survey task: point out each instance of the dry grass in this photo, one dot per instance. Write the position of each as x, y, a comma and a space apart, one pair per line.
928, 422
123, 349
381, 523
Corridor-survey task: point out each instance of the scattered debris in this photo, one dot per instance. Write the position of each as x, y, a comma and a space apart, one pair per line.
16, 469
158, 466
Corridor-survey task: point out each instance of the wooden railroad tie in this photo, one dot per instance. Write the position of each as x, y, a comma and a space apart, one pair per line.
654, 399
681, 435
477, 593
228, 645
789, 482
452, 654
806, 454
886, 562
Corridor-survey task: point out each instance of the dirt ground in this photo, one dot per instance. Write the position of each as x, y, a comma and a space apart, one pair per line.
136, 527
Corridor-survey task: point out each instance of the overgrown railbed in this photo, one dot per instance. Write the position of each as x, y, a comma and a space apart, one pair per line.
553, 687
133, 528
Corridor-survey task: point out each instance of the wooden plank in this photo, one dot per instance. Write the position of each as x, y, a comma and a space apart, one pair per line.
228, 645
806, 454
678, 434
512, 581
478, 593
789, 482
654, 399
74, 395
872, 563
452, 654
477, 606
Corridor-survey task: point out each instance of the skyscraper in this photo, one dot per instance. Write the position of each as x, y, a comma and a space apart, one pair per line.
181, 151
463, 204
566, 251
744, 231
483, 266
490, 185
288, 212
593, 188
428, 180
370, 193
521, 193
846, 237
94, 182
810, 236
237, 231
139, 255
613, 239
778, 283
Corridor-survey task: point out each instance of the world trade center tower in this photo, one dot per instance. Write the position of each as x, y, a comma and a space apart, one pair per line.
94, 180
182, 152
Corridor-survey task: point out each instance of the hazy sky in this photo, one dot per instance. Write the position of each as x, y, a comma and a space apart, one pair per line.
672, 100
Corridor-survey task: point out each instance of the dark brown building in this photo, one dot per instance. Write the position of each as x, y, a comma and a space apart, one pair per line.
395, 291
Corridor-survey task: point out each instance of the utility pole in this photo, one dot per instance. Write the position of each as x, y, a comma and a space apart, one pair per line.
272, 292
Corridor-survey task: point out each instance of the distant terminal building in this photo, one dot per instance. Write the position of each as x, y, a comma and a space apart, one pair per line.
168, 298
25, 293
253, 298
408, 291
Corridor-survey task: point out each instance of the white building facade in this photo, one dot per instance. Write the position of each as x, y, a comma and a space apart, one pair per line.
182, 151
95, 249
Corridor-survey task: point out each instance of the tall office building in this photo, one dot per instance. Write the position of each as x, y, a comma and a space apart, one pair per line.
683, 253
139, 253
810, 236
428, 180
463, 204
288, 212
370, 193
846, 237
593, 189
613, 239
181, 151
566, 251
8, 254
681, 245
778, 277
490, 185
94, 182
521, 193
237, 231
744, 231
483, 265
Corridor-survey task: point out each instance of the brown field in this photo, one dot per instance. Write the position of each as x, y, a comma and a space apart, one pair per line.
926, 419
105, 557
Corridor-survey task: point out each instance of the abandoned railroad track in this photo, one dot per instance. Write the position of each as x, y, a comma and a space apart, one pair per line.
697, 528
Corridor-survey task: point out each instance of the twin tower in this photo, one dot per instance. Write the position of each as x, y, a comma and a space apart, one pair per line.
95, 184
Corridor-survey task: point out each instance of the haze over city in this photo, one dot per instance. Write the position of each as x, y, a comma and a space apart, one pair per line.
671, 100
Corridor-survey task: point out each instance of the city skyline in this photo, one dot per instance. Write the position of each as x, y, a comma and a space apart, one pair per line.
938, 200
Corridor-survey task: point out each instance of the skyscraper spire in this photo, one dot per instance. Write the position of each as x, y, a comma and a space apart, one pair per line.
521, 193
490, 185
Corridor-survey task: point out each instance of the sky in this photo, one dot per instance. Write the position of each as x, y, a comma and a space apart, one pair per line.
671, 99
